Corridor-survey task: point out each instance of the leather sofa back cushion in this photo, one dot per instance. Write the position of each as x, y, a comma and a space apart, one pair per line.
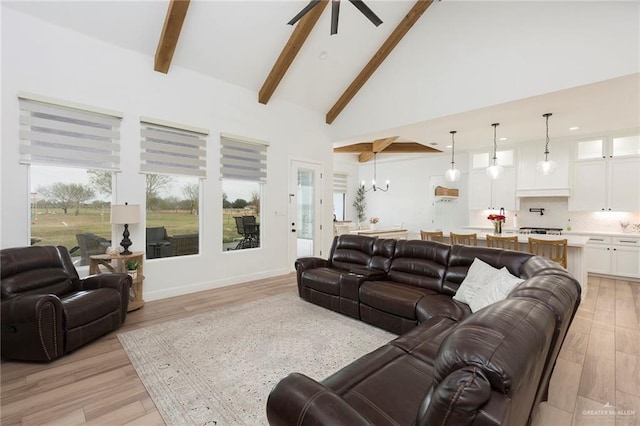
462, 257
382, 253
37, 281
352, 251
419, 263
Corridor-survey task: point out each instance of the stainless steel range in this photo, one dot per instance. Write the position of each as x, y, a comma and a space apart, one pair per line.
540, 231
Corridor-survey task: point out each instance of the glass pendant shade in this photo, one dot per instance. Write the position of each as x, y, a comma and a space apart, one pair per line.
546, 167
452, 175
495, 171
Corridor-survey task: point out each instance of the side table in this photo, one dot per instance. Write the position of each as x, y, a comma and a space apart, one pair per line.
104, 263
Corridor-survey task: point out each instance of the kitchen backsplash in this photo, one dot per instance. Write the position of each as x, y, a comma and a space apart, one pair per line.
557, 215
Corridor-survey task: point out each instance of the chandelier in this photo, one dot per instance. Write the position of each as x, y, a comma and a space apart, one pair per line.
373, 182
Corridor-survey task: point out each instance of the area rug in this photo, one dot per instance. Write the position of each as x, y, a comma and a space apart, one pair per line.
218, 368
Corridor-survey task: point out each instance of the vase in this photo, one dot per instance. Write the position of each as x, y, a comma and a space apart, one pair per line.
372, 226
497, 227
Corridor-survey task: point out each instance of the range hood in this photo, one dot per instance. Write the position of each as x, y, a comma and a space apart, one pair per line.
544, 192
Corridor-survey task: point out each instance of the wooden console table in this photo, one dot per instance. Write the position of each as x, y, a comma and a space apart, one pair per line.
104, 264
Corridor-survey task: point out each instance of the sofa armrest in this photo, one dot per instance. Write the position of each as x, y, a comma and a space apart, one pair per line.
120, 282
299, 400
305, 263
32, 328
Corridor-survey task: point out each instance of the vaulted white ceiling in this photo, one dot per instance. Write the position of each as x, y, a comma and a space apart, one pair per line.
464, 65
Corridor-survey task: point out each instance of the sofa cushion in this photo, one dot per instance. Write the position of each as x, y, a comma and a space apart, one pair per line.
480, 275
498, 289
424, 340
83, 307
351, 251
420, 264
326, 280
391, 297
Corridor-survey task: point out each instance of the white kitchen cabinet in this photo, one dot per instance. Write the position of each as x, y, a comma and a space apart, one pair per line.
617, 256
606, 185
606, 182
488, 194
529, 181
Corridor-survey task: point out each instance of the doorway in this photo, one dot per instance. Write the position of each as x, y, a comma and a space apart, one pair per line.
305, 210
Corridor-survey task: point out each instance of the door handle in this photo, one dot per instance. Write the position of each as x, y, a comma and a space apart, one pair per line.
293, 230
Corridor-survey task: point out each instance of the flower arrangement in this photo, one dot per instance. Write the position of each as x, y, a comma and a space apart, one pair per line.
374, 219
497, 220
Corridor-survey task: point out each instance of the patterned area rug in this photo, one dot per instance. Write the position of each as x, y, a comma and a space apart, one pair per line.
218, 368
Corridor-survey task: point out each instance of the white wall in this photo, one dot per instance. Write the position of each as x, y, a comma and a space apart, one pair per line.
410, 199
496, 52
52, 61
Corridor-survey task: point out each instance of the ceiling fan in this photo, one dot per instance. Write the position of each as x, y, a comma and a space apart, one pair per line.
335, 11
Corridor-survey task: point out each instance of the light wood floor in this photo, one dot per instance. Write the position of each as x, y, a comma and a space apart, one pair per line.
599, 363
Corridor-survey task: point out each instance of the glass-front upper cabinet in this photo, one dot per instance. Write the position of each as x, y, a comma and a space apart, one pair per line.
610, 147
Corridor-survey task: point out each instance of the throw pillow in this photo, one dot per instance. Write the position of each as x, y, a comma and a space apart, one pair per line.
498, 289
480, 274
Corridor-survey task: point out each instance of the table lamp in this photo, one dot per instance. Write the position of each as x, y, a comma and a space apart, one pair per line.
125, 214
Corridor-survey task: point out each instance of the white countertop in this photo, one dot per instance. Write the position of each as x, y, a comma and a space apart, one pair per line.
572, 240
574, 232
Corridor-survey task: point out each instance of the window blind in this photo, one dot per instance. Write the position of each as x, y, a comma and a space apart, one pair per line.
63, 135
172, 150
243, 160
340, 183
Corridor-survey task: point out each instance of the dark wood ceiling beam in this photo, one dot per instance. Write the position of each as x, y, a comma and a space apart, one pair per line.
290, 51
387, 47
173, 21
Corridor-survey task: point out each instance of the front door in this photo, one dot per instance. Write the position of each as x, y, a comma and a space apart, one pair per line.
305, 214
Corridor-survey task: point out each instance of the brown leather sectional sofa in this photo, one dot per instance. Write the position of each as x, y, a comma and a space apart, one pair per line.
449, 366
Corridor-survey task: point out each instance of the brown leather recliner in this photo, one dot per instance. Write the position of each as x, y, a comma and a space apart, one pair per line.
48, 311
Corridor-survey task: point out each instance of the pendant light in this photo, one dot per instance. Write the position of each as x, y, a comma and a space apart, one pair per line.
373, 182
495, 170
453, 174
546, 166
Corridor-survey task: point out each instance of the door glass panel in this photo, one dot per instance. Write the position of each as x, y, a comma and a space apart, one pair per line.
627, 145
305, 210
590, 149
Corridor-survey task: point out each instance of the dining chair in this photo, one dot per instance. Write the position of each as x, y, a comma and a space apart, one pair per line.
555, 250
464, 239
508, 243
432, 236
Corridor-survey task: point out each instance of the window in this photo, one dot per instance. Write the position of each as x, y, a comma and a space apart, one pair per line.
590, 149
72, 152
243, 170
174, 159
339, 195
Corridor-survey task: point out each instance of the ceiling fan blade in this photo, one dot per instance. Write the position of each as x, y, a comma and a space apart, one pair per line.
303, 12
335, 12
367, 12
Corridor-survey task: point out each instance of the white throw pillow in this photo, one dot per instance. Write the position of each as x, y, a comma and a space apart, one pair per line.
480, 274
498, 289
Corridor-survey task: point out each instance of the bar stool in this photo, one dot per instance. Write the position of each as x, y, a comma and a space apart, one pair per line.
464, 239
508, 243
432, 236
555, 250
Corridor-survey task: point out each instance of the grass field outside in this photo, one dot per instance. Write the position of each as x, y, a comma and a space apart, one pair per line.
55, 228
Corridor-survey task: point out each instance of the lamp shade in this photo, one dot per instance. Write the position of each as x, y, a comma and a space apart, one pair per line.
125, 214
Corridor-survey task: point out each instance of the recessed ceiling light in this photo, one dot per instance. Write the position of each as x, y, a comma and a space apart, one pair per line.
574, 128
449, 146
503, 138
323, 55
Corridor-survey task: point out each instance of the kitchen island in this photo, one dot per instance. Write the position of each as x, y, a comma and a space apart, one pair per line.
576, 253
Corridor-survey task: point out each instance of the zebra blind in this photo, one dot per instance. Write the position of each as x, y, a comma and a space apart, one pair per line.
172, 150
340, 183
64, 135
242, 160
